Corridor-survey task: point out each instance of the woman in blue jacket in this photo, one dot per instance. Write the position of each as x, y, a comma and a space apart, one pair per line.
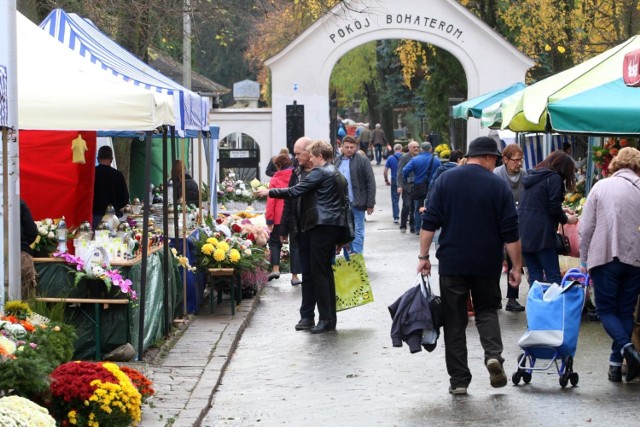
539, 213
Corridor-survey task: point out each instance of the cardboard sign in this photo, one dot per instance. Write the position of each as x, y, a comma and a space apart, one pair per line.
631, 68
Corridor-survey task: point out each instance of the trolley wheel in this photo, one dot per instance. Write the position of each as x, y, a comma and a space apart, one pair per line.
516, 378
564, 380
574, 378
526, 377
569, 364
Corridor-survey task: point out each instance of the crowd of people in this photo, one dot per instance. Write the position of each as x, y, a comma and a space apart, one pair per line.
482, 210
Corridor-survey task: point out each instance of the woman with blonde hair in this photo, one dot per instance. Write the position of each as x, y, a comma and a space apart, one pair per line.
610, 251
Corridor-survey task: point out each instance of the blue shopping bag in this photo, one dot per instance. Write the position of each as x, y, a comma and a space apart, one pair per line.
553, 318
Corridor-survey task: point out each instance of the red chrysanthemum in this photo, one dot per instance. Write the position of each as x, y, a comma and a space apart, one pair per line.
236, 228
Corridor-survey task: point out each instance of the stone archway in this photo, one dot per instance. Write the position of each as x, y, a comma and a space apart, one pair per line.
302, 70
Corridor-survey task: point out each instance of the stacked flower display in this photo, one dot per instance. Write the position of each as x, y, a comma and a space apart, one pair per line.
110, 277
232, 242
94, 394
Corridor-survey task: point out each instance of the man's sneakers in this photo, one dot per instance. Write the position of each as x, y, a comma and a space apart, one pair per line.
458, 391
496, 373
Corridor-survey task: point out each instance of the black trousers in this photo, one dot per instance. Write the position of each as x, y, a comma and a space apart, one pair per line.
485, 293
407, 210
323, 248
275, 245
308, 303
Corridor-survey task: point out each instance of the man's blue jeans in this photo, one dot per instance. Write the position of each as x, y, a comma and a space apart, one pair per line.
357, 245
378, 150
395, 198
543, 266
616, 287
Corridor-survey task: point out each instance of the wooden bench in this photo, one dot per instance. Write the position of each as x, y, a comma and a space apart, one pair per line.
234, 286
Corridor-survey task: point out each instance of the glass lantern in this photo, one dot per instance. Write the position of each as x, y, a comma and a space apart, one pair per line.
61, 234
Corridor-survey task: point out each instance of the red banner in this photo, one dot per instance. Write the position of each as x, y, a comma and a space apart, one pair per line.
52, 182
631, 68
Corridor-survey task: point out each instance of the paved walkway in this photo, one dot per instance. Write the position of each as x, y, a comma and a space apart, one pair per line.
187, 377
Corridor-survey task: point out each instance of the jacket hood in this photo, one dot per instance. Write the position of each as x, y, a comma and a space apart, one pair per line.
535, 176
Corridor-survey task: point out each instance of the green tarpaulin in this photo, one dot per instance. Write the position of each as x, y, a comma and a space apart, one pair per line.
119, 323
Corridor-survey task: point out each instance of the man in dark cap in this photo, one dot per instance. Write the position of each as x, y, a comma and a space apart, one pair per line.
476, 212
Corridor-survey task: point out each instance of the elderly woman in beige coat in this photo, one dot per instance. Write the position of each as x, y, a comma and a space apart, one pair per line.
610, 251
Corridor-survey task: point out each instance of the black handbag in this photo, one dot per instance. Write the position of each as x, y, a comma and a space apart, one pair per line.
348, 232
563, 245
435, 305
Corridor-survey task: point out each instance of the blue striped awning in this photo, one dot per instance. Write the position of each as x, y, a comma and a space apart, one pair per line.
84, 38
4, 103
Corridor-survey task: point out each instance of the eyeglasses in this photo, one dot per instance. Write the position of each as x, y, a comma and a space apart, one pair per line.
515, 160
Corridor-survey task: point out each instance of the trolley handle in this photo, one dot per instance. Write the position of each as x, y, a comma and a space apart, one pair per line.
574, 274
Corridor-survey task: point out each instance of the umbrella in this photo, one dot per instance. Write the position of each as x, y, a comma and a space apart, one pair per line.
485, 107
592, 88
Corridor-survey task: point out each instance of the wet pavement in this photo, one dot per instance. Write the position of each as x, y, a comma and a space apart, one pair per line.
279, 376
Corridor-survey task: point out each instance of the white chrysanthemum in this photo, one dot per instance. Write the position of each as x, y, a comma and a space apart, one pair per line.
247, 252
51, 235
42, 230
238, 192
7, 345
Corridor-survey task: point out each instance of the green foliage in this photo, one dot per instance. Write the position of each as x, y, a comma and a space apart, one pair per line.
27, 374
51, 310
353, 72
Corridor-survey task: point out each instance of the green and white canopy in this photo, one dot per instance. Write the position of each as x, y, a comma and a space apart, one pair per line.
588, 98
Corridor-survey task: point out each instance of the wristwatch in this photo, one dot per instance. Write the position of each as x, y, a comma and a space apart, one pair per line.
423, 256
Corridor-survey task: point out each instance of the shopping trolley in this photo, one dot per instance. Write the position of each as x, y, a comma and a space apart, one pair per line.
553, 324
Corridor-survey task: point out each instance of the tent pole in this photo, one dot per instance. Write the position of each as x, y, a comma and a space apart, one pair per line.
165, 232
145, 244
175, 192
200, 178
184, 232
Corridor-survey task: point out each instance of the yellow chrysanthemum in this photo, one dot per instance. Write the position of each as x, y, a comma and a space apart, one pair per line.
213, 241
207, 249
223, 245
234, 255
219, 255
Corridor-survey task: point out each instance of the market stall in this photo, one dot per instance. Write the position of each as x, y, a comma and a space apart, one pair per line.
119, 323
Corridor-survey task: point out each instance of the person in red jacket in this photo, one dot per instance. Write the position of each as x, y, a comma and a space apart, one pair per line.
273, 213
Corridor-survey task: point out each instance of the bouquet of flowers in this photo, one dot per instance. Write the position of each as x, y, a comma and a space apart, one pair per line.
94, 394
232, 190
110, 277
18, 411
46, 241
442, 151
235, 243
602, 156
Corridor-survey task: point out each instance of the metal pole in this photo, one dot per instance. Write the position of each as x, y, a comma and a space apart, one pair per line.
184, 233
145, 245
175, 192
10, 242
165, 232
200, 178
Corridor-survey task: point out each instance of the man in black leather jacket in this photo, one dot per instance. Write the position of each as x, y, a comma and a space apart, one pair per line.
324, 216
